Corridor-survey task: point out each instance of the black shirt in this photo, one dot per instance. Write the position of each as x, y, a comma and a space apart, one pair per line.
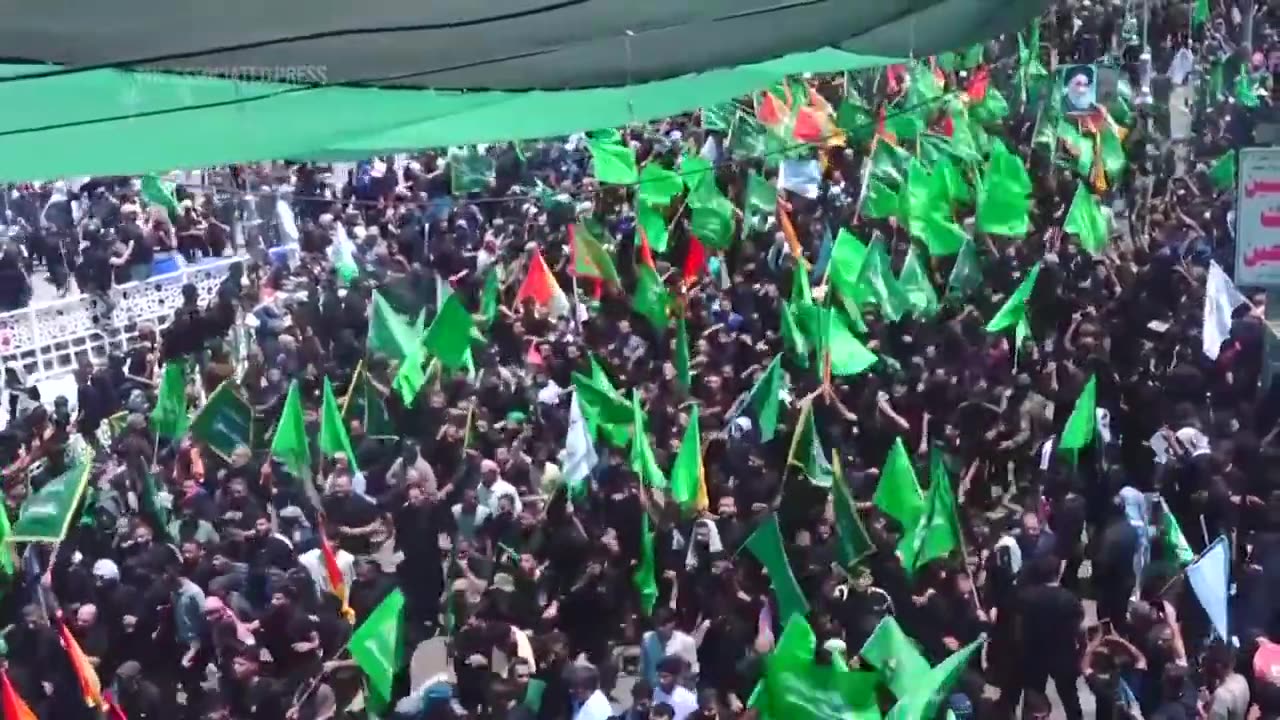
1049, 617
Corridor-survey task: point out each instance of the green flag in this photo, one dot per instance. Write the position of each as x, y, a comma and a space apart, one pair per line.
898, 492
390, 334
1001, 212
651, 298
916, 196
590, 258
914, 281
806, 451
1086, 221
602, 407
684, 372
1222, 174
645, 577
489, 296
1200, 13
6, 546
941, 234
699, 177
1004, 201
845, 352
449, 337
765, 543
852, 542
922, 702
160, 192
651, 220
992, 109
46, 516
687, 471
169, 418
793, 338
657, 185
378, 646
1174, 540
762, 196
762, 401
470, 171
410, 376
614, 162
289, 445
966, 274
894, 654
333, 432
847, 255
365, 403
225, 422
151, 507
796, 686
877, 284
938, 533
880, 201
1014, 311
713, 222
1083, 421
1244, 89
643, 461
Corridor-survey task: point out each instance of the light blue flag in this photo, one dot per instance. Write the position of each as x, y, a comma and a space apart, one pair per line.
1210, 578
824, 256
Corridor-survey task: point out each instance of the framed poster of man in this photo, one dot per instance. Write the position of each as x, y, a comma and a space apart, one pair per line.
1079, 89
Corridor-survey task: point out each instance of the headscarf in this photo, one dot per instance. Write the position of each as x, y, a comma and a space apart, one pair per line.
713, 543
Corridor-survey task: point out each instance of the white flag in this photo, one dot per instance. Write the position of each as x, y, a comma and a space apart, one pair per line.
1220, 298
579, 452
801, 177
288, 223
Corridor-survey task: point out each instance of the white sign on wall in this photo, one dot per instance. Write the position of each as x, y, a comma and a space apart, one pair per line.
1258, 218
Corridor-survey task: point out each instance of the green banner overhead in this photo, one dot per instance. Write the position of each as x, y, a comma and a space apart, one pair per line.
47, 514
225, 422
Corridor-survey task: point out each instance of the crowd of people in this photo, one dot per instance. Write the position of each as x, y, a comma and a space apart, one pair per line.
532, 508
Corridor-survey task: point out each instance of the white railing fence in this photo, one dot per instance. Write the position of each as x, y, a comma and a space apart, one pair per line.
48, 339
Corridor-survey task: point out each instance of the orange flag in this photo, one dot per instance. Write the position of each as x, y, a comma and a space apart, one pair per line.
90, 685
11, 703
789, 231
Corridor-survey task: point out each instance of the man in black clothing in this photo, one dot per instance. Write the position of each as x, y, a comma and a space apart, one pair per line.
1049, 637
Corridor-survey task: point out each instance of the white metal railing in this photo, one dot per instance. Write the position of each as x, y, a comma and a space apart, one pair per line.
49, 338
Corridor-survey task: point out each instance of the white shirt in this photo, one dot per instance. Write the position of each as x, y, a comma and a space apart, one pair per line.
596, 707
313, 561
681, 699
489, 495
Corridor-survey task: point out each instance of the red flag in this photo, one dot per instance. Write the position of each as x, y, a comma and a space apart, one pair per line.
893, 75
11, 703
533, 357
770, 111
337, 583
90, 685
694, 261
977, 87
114, 711
646, 255
810, 127
946, 126
541, 285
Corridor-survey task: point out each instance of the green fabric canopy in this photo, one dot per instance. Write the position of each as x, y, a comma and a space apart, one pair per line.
116, 122
487, 45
